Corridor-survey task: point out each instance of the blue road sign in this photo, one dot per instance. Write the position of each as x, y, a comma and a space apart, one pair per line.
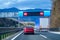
46, 13
20, 14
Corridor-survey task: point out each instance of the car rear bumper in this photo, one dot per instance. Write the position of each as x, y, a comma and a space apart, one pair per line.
28, 32
44, 31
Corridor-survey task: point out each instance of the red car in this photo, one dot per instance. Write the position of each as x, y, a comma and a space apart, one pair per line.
28, 30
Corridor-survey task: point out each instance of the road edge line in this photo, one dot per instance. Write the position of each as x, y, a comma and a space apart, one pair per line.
17, 35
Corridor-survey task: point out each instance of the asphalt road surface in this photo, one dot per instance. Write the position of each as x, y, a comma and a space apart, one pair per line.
38, 36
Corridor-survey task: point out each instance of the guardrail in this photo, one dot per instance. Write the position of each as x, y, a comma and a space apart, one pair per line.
5, 32
54, 29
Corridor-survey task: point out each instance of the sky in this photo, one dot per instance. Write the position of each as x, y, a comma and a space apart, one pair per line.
26, 4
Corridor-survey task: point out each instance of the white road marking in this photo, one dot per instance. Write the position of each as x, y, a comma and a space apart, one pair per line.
54, 32
17, 35
43, 36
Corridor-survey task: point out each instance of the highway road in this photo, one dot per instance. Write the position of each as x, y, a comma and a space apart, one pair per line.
36, 36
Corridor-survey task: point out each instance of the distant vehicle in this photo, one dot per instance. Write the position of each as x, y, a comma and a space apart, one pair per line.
28, 30
44, 30
36, 29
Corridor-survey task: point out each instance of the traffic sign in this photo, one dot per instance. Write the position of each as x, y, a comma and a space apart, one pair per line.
20, 14
47, 13
42, 13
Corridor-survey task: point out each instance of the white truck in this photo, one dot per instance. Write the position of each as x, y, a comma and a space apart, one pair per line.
44, 24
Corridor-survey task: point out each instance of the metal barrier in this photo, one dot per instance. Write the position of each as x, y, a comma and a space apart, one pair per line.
54, 29
5, 32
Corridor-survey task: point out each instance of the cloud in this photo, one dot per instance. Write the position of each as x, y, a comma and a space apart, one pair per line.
20, 0
25, 4
7, 3
24, 8
33, 4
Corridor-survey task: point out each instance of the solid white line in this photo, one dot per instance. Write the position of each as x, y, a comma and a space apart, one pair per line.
54, 32
17, 35
43, 36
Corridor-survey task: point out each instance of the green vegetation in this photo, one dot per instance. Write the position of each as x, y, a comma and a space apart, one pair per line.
32, 24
